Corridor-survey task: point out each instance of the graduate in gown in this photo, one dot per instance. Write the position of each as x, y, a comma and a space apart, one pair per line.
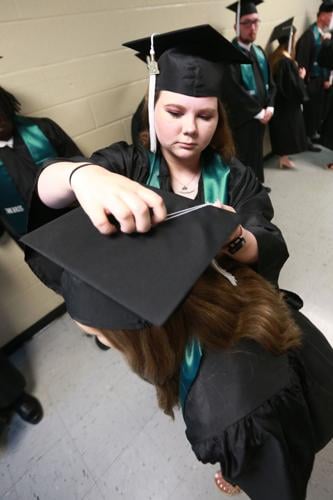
317, 77
25, 143
112, 279
248, 90
287, 128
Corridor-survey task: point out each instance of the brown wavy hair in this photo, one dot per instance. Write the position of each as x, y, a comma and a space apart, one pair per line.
219, 315
222, 141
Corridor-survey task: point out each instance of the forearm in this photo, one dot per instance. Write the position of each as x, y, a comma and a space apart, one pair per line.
53, 186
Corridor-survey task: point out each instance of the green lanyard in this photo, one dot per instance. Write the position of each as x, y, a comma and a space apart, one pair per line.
215, 175
12, 206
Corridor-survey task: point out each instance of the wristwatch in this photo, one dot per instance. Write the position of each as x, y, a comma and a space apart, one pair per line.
237, 243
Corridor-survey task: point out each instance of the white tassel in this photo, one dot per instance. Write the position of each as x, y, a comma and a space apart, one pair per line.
238, 19
153, 71
290, 40
230, 277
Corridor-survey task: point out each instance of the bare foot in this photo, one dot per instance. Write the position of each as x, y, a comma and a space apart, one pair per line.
329, 166
226, 487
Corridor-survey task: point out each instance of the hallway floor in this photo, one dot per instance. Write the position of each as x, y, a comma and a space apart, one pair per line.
102, 436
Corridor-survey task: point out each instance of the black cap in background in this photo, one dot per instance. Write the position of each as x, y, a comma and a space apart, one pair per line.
283, 31
246, 7
326, 6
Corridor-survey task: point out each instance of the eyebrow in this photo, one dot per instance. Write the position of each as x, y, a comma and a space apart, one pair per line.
179, 106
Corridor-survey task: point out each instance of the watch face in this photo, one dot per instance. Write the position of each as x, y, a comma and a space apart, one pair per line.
236, 244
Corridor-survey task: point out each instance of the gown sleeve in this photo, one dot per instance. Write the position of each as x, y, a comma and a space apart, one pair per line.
305, 52
251, 202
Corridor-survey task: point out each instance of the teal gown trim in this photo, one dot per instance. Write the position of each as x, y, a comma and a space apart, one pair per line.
12, 207
248, 73
215, 175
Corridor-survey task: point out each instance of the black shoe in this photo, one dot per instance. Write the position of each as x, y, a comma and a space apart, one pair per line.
29, 409
266, 188
101, 345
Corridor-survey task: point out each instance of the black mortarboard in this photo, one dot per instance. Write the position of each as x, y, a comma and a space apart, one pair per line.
186, 61
124, 281
326, 6
189, 59
246, 7
283, 31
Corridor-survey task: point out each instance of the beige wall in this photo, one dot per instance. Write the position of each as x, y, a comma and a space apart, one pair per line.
63, 59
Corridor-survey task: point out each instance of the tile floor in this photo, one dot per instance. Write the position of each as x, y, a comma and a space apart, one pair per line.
102, 437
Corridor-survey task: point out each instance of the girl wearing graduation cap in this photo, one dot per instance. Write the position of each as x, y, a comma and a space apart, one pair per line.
287, 127
251, 424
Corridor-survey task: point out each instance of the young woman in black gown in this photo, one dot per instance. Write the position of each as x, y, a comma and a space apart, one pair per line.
259, 404
287, 128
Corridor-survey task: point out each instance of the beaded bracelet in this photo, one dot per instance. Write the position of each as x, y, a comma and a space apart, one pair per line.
75, 169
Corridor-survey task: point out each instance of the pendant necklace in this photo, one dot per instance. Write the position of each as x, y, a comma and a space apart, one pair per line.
185, 187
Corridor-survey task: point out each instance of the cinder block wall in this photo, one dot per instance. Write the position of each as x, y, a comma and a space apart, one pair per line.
64, 59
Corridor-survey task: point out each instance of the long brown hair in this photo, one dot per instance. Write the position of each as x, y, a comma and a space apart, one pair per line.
222, 141
216, 313
281, 52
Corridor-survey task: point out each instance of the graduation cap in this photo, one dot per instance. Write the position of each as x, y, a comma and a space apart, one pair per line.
326, 6
125, 281
243, 8
186, 61
283, 32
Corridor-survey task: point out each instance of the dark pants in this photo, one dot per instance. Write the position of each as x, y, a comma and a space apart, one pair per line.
314, 107
12, 383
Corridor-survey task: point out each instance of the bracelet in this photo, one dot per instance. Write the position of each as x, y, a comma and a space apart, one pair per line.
236, 244
75, 169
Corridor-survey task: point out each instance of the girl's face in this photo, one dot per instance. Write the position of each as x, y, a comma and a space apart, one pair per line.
185, 125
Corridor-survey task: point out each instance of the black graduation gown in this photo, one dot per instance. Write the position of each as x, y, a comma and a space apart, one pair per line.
245, 194
325, 59
315, 106
287, 128
241, 108
263, 417
18, 161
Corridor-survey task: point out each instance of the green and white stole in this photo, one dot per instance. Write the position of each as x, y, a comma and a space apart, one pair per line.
248, 73
12, 207
316, 70
215, 175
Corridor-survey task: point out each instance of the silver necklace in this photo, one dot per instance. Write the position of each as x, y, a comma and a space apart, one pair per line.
185, 187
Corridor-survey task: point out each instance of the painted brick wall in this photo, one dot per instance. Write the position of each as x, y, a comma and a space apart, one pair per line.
64, 59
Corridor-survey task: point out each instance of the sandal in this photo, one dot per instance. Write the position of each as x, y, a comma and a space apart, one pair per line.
224, 486
329, 166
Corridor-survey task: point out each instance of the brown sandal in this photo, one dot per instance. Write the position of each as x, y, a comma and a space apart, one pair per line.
224, 486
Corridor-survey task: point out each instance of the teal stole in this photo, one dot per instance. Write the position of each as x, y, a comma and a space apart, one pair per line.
215, 175
248, 73
316, 70
12, 207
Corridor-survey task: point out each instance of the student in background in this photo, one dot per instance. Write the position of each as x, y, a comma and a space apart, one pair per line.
287, 128
248, 90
